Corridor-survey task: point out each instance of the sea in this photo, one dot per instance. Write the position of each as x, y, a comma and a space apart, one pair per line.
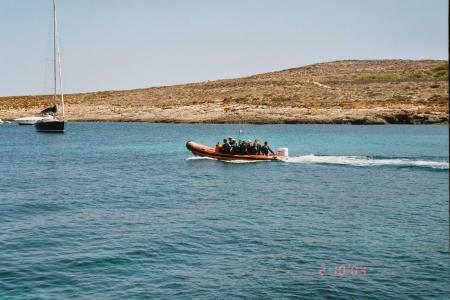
124, 211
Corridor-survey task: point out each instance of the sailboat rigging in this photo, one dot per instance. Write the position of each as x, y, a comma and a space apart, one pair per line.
55, 124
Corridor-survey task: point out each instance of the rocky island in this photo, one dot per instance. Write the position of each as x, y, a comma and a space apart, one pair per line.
340, 92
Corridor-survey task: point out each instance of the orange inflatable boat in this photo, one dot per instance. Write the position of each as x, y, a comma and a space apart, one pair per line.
205, 151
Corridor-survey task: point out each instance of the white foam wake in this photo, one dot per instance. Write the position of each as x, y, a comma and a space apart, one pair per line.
200, 158
226, 161
367, 161
245, 161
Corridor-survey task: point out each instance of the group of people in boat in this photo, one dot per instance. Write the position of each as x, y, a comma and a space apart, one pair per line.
243, 147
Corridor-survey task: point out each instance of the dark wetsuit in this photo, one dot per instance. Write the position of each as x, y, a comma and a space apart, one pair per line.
243, 148
252, 150
234, 149
265, 149
258, 149
225, 148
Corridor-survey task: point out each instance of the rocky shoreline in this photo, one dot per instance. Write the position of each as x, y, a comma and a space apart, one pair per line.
342, 92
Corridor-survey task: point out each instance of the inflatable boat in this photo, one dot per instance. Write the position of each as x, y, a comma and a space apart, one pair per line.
205, 151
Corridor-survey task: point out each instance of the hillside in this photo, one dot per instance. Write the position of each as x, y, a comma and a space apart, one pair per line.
355, 92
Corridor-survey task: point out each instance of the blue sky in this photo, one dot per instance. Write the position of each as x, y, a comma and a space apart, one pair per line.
124, 44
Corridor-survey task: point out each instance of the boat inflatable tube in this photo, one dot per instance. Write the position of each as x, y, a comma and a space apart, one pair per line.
205, 151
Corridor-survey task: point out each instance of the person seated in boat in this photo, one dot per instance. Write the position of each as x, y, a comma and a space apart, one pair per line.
248, 144
252, 149
238, 147
246, 147
217, 148
265, 149
225, 148
243, 147
234, 147
258, 147
255, 148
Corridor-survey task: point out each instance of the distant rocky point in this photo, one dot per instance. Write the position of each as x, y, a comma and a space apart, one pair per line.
340, 92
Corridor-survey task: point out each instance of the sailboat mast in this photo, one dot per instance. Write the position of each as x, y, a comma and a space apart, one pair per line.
59, 66
54, 53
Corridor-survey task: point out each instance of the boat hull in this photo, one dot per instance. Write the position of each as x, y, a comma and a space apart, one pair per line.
205, 151
51, 126
31, 120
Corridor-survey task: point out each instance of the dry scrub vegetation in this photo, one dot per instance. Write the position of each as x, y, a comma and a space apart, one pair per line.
356, 92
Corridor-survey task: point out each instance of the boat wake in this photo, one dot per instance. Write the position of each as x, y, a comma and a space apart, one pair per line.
363, 161
227, 161
200, 158
359, 161
245, 161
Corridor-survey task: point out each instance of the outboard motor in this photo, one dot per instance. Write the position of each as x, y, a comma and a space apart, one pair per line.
282, 153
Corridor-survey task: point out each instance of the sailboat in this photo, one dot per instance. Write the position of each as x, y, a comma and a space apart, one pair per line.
54, 124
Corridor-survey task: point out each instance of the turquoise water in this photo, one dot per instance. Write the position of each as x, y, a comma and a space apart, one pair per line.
122, 211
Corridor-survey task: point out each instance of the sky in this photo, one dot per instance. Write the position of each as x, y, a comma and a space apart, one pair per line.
126, 44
